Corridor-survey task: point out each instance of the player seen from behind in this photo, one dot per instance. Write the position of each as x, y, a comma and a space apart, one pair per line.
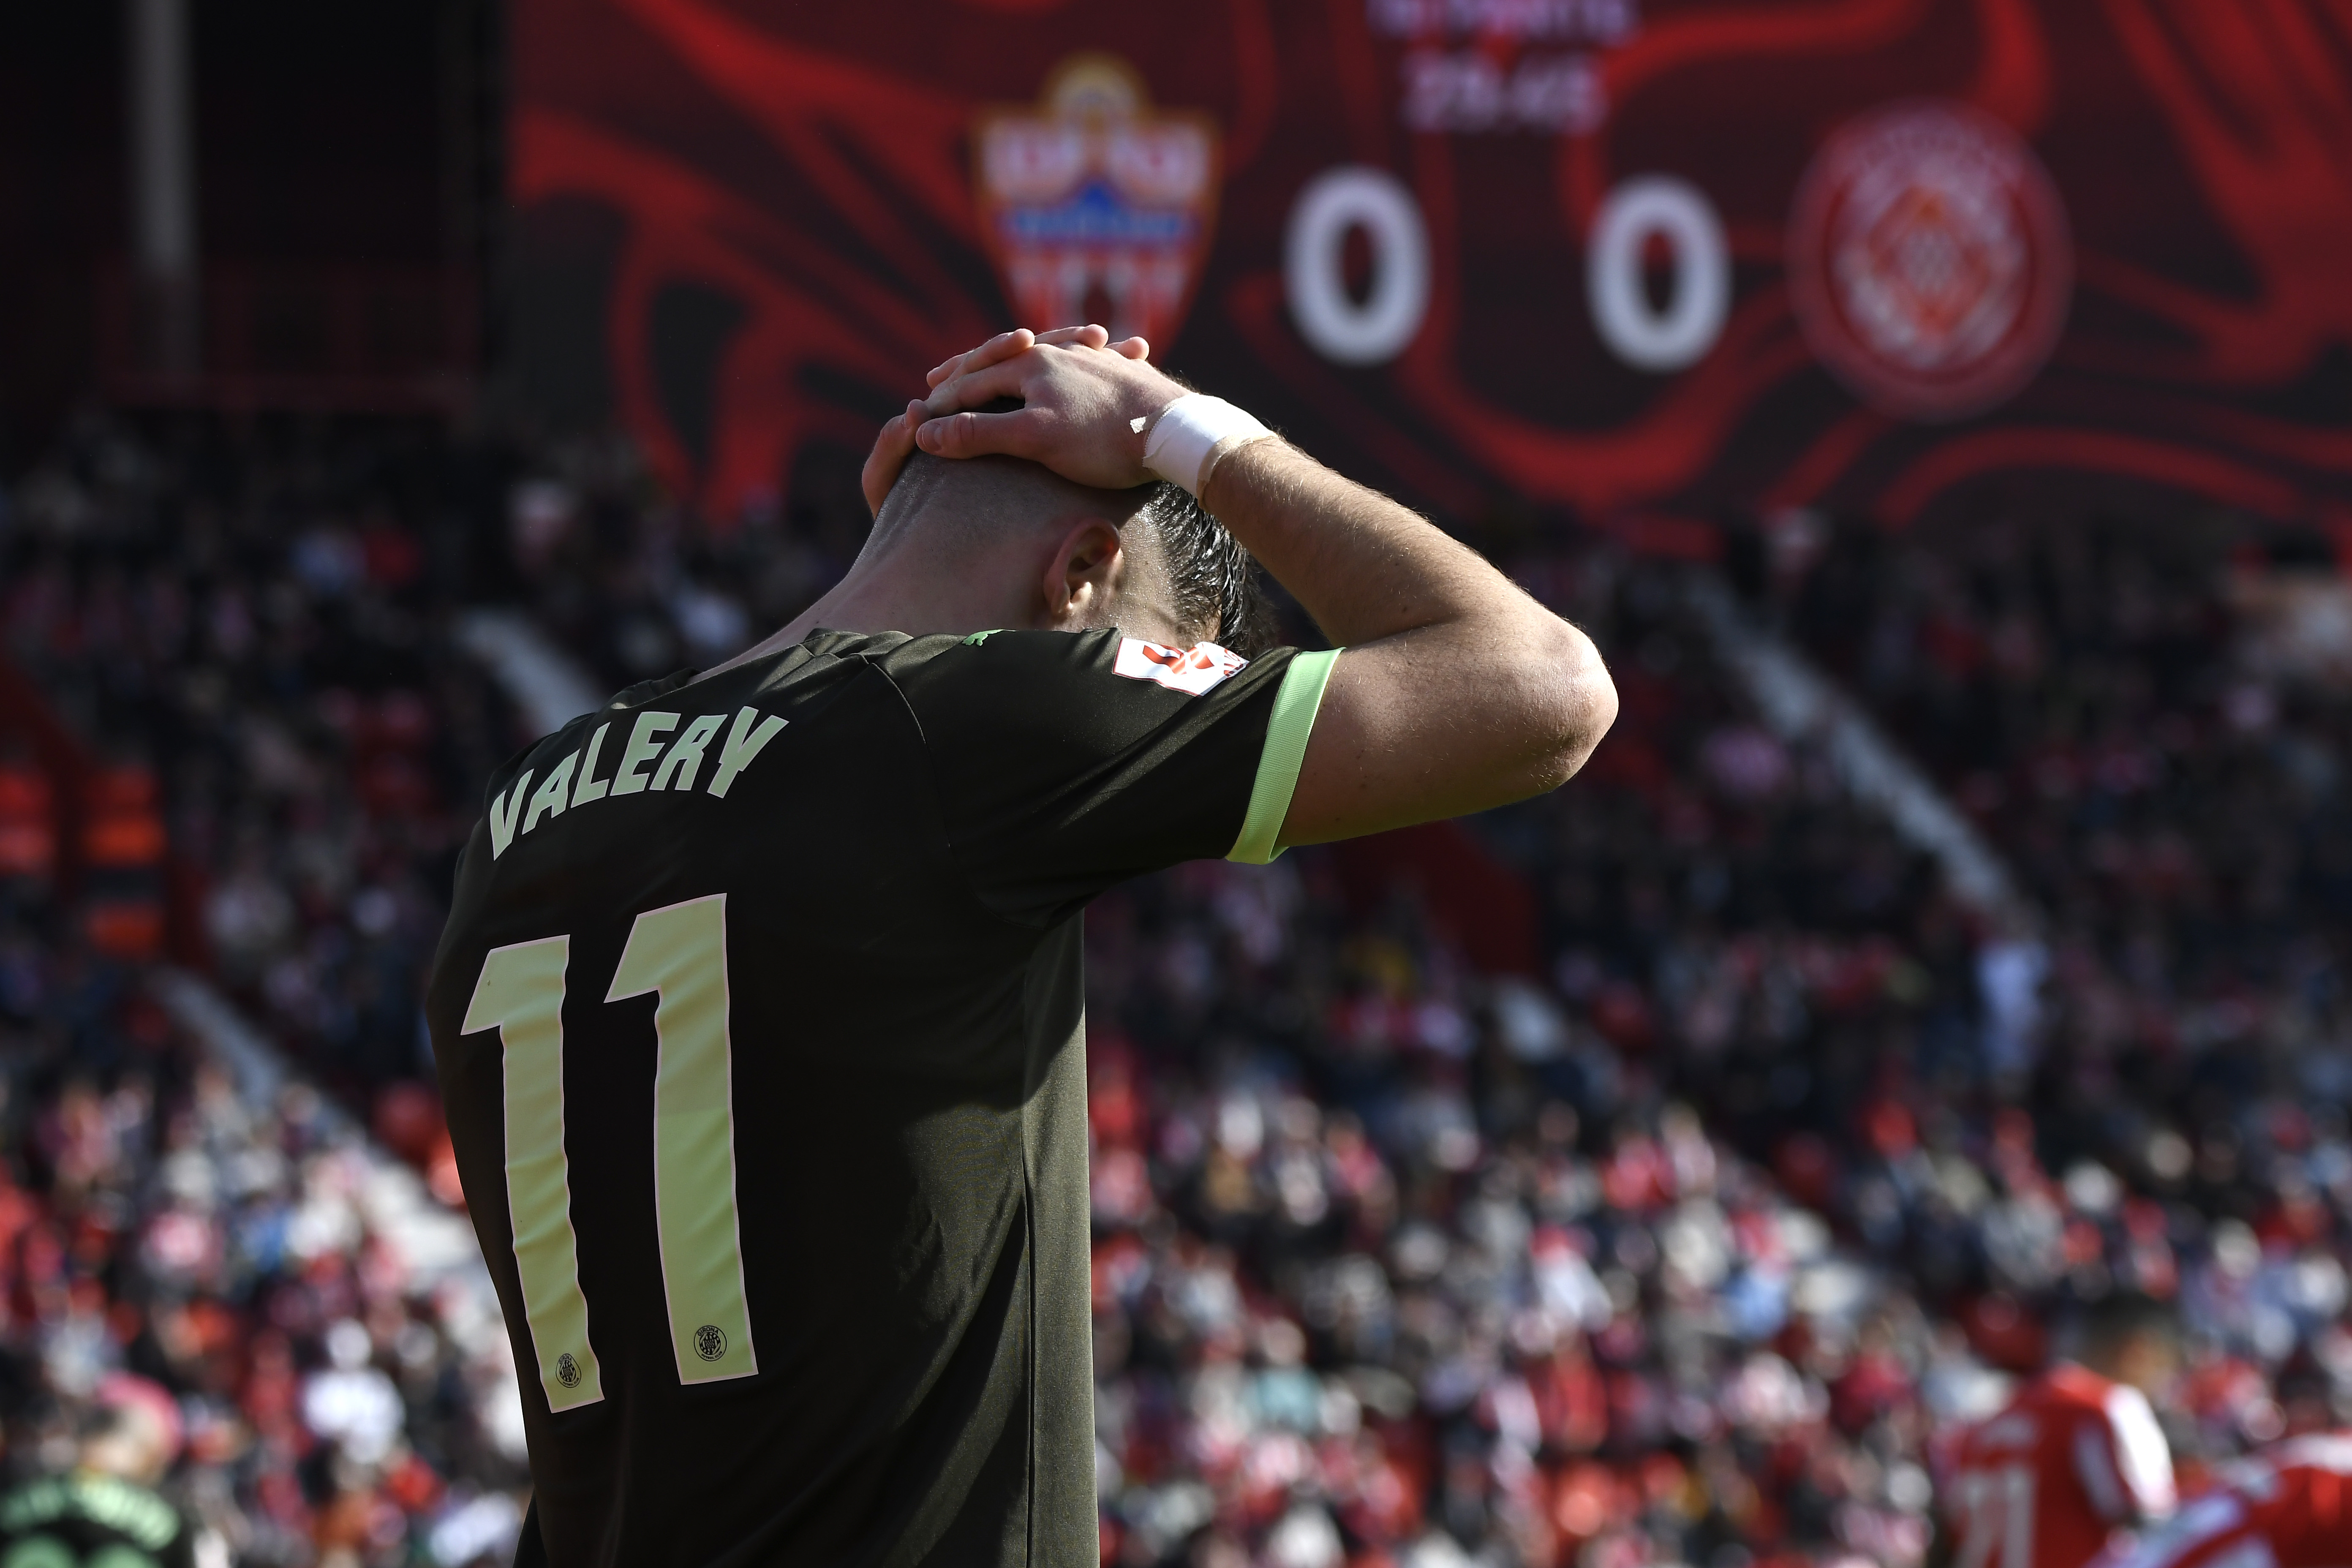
2073, 1457
758, 1012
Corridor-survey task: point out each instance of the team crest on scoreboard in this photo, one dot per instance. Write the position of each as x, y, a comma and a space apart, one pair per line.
1097, 206
1929, 261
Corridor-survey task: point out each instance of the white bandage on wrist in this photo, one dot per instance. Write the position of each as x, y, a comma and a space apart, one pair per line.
1193, 434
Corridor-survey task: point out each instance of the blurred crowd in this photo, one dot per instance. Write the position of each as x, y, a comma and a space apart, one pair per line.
1685, 1241
167, 1242
1690, 1247
251, 632
1671, 1209
269, 757
2151, 723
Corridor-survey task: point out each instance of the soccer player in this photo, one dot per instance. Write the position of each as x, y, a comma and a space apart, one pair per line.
758, 1012
2290, 1507
105, 1512
2076, 1455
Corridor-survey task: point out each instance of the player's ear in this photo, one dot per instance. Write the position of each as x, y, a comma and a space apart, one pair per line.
1083, 575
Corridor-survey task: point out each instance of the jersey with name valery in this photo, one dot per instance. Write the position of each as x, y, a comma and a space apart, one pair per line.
758, 1020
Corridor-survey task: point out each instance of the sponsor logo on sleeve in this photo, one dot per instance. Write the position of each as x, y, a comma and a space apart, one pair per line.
1192, 670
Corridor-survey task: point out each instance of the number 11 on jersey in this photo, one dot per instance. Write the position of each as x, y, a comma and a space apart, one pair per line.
1998, 1508
521, 994
678, 953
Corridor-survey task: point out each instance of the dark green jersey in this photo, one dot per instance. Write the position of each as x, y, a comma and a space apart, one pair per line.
758, 1018
90, 1521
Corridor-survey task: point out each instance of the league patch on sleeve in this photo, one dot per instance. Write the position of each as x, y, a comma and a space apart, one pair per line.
1192, 670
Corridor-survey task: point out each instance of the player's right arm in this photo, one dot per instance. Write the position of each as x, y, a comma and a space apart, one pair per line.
1457, 692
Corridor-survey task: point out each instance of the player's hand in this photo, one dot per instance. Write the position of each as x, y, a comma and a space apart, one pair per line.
891, 449
1004, 345
896, 441
1085, 408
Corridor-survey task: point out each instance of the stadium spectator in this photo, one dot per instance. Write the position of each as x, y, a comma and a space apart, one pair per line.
2288, 1507
204, 1264
2077, 1455
255, 635
105, 1509
1678, 1247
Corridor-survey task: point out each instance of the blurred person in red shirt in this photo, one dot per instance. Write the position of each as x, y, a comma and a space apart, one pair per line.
2075, 1457
2290, 1507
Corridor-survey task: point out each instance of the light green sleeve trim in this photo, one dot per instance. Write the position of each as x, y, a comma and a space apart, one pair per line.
1295, 707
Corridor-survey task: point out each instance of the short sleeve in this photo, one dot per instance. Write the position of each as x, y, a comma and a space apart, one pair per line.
2143, 1459
1067, 762
2123, 1460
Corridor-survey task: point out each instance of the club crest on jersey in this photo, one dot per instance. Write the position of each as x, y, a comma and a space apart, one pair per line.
1192, 670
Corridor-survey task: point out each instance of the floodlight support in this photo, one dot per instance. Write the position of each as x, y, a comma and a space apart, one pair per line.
161, 104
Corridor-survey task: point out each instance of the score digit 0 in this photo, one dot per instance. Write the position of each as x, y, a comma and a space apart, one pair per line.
1642, 333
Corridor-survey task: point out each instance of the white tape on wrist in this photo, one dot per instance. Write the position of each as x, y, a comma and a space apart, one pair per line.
1193, 434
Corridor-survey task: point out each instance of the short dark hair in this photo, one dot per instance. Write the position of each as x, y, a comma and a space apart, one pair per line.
2116, 1320
1211, 579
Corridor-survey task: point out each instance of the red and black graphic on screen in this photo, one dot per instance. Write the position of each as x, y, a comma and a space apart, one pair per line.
1622, 261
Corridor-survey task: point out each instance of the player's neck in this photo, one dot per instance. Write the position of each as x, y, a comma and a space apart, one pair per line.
894, 595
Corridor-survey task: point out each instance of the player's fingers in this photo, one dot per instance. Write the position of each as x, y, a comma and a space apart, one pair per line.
1003, 345
969, 388
997, 347
892, 448
947, 367
1132, 347
1090, 336
976, 435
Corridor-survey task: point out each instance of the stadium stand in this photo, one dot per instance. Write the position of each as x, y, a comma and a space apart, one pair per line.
1645, 1175
247, 644
1772, 1116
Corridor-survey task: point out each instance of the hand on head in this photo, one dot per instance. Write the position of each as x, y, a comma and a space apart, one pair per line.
1080, 394
1457, 692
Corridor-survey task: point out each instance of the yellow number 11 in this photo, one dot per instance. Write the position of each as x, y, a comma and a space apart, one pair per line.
679, 953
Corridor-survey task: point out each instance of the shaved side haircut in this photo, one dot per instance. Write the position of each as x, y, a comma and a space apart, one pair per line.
1211, 581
